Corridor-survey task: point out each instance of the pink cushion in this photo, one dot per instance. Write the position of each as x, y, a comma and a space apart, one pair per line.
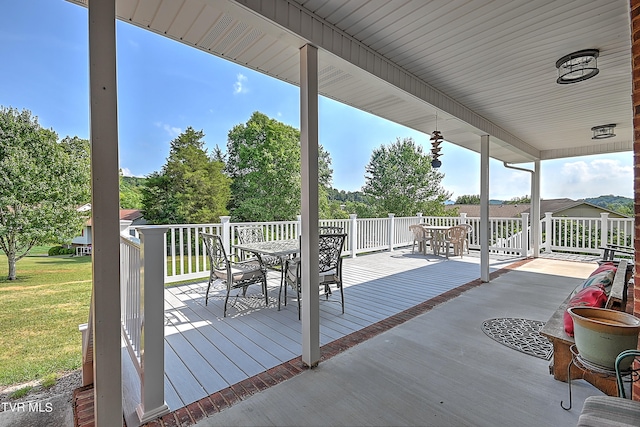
607, 266
591, 296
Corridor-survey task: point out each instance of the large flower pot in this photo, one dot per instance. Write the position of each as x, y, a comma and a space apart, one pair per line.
602, 334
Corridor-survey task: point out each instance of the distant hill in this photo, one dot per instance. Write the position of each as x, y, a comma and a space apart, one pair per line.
606, 201
620, 204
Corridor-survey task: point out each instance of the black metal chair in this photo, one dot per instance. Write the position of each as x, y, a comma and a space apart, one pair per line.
329, 267
235, 275
255, 234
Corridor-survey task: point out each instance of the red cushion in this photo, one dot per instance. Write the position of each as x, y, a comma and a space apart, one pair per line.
592, 296
604, 267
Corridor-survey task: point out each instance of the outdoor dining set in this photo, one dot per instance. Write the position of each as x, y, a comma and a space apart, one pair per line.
257, 255
440, 239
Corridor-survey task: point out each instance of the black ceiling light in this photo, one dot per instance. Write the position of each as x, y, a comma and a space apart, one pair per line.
577, 66
603, 131
436, 139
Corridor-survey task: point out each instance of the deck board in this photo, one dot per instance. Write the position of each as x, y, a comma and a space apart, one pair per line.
206, 352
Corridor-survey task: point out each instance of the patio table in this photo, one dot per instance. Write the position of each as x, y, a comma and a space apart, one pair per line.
279, 248
438, 234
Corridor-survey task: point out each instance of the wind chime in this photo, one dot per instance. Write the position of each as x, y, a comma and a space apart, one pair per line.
436, 139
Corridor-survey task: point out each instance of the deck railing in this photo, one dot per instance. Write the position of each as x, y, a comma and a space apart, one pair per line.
185, 257
142, 320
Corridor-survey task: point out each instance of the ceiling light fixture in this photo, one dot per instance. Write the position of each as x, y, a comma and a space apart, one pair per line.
603, 131
577, 66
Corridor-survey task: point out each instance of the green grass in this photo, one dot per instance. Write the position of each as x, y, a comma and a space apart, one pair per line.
40, 313
39, 250
49, 380
21, 392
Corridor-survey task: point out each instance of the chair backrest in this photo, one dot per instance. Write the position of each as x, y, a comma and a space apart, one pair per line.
250, 234
330, 250
457, 233
215, 251
417, 230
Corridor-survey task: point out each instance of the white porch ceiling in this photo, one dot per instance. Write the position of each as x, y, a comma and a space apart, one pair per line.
486, 66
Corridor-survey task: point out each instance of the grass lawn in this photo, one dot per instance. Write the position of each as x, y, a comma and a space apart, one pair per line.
40, 313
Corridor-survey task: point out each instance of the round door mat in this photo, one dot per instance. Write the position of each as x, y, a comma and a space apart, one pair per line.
519, 334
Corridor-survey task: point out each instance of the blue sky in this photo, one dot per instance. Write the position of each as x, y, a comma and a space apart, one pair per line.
164, 87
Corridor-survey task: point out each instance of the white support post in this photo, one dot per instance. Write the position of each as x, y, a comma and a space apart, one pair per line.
152, 403
353, 234
309, 202
463, 218
604, 228
420, 219
525, 235
392, 231
484, 208
536, 231
105, 199
226, 233
548, 224
299, 225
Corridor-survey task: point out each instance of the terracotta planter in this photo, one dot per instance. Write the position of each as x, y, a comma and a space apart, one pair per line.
602, 334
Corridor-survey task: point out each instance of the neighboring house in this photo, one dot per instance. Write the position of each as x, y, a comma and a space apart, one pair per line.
495, 211
128, 218
557, 207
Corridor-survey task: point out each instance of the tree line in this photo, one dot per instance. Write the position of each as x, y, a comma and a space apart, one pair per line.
258, 179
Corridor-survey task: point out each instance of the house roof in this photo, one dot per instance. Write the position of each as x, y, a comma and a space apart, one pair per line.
514, 211
125, 215
495, 211
477, 67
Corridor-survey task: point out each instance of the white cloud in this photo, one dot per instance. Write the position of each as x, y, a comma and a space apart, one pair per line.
593, 178
240, 85
171, 130
127, 172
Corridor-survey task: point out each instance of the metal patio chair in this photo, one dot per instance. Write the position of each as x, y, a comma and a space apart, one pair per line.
235, 275
329, 266
255, 234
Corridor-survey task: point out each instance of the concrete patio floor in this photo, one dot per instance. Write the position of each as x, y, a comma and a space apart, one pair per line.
437, 369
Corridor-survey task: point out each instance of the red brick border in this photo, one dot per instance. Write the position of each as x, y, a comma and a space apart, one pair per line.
223, 399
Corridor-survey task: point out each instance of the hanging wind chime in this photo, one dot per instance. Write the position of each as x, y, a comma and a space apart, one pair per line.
436, 139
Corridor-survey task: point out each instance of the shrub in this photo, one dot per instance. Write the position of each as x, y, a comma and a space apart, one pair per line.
59, 250
55, 250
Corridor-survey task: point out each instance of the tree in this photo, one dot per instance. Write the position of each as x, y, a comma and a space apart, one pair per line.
263, 159
518, 200
191, 187
399, 179
42, 183
131, 192
468, 200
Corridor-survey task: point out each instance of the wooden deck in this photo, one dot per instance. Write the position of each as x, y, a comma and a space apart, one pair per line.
205, 352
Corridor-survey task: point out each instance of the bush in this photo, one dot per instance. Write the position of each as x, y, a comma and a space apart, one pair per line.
59, 250
55, 250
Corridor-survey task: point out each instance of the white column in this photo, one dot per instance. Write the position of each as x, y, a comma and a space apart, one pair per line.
226, 233
536, 232
604, 229
391, 231
105, 201
152, 246
353, 234
309, 175
484, 208
548, 231
525, 235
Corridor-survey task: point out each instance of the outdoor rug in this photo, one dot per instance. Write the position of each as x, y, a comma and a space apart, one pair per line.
519, 334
